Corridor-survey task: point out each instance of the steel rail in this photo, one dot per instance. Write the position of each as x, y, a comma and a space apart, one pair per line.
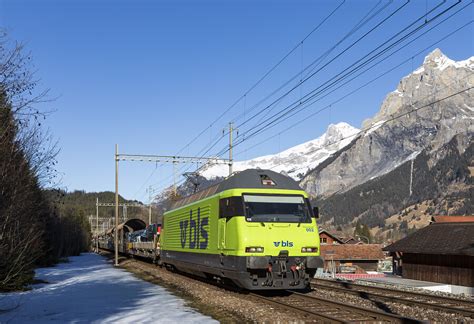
330, 311
445, 304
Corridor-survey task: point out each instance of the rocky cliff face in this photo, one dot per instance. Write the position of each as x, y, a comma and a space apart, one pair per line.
439, 182
384, 144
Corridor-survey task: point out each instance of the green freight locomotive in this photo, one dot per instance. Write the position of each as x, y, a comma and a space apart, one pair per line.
256, 229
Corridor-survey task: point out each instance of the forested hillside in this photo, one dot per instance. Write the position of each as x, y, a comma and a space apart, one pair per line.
83, 203
445, 187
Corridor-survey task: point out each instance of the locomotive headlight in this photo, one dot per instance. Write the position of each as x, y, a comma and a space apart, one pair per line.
309, 249
254, 249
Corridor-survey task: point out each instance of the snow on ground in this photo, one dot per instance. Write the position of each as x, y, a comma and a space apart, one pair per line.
89, 289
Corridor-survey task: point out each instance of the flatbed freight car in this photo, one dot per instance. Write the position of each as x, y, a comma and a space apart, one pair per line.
134, 238
255, 228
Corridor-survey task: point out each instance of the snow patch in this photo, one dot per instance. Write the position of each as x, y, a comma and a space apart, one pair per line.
442, 61
398, 92
374, 127
421, 69
89, 289
468, 107
412, 156
396, 164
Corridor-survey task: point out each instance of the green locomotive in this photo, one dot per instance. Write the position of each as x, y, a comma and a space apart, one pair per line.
256, 229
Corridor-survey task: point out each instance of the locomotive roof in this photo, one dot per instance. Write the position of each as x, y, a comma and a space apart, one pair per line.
249, 179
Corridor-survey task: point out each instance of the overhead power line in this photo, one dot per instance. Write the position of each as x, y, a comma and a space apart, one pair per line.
214, 142
325, 65
365, 84
330, 84
313, 93
365, 19
366, 129
354, 67
355, 90
266, 74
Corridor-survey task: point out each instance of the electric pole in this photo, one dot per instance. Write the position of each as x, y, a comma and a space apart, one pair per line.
116, 205
149, 205
97, 225
231, 130
174, 180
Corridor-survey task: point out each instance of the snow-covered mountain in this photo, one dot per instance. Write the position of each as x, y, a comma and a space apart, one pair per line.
402, 157
435, 76
295, 161
439, 85
381, 147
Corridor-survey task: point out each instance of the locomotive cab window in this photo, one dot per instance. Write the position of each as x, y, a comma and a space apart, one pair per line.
280, 209
232, 206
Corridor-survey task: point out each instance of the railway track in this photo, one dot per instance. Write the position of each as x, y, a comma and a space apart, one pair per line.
439, 303
328, 311
324, 310
316, 308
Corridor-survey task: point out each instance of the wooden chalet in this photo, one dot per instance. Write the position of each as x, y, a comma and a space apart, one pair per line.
441, 252
326, 237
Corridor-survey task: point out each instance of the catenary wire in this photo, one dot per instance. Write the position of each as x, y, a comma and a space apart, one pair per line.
354, 91
284, 112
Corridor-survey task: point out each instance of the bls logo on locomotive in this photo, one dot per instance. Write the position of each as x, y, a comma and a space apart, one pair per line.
196, 231
283, 244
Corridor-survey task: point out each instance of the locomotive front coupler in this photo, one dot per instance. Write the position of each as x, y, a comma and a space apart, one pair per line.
280, 261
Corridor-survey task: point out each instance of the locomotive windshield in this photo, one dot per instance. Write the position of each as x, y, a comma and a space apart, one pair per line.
280, 209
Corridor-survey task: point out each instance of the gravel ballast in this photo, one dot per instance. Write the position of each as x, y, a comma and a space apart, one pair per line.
233, 306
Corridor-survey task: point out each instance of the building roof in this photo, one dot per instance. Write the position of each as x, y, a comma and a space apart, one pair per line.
248, 179
349, 252
438, 238
340, 237
452, 219
351, 240
336, 238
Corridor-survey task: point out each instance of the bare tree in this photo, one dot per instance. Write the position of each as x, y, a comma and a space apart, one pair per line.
31, 229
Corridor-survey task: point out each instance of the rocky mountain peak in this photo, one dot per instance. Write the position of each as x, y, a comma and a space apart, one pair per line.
437, 60
433, 77
339, 131
389, 142
435, 57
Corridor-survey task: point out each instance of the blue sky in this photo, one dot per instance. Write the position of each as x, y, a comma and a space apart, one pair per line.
151, 75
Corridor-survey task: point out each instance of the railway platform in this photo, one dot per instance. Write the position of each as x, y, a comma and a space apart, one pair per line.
410, 283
